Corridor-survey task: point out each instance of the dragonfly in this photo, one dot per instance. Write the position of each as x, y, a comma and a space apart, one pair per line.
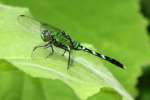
53, 36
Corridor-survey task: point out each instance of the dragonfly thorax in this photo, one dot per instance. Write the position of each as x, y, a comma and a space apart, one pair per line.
46, 36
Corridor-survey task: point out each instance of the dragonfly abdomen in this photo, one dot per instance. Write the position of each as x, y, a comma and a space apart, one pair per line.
111, 60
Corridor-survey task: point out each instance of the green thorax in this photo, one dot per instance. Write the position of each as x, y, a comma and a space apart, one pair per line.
64, 40
60, 38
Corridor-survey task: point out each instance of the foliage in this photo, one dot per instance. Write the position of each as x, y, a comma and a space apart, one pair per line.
109, 25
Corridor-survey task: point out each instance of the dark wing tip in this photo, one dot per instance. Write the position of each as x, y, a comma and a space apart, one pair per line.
21, 15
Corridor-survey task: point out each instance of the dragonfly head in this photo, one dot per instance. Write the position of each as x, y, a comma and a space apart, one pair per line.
46, 36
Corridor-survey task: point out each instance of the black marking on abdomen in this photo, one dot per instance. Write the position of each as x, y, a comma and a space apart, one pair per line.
111, 60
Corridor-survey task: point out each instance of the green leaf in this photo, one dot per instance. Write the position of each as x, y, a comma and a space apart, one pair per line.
86, 76
15, 85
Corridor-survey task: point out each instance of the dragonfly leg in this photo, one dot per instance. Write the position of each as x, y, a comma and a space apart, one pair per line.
64, 53
52, 49
39, 46
50, 45
69, 59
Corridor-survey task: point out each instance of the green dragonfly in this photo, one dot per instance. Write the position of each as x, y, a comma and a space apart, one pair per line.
53, 36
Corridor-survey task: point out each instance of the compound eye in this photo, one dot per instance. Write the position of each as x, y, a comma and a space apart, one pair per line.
45, 35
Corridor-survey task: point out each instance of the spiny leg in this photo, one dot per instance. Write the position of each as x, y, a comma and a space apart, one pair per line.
69, 50
39, 46
52, 49
64, 53
69, 60
50, 45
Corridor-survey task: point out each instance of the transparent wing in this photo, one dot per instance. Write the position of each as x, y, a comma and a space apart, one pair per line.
29, 23
34, 25
50, 28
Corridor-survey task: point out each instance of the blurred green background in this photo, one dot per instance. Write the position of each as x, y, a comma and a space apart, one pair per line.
144, 81
115, 27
